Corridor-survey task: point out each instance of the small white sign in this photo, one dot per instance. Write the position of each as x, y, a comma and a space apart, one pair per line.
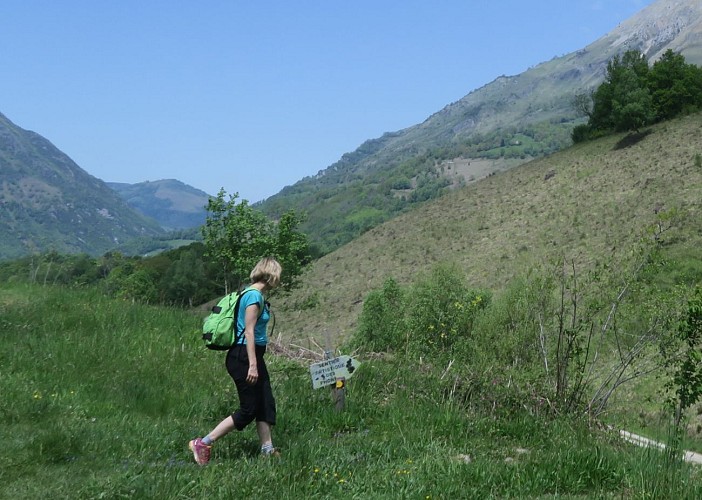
326, 372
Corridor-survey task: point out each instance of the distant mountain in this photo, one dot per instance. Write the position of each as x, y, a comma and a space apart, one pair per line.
496, 127
544, 93
47, 202
173, 204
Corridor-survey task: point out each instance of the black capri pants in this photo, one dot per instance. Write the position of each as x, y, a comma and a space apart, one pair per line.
256, 401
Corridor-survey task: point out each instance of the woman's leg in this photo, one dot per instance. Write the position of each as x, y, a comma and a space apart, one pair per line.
238, 366
266, 412
264, 433
223, 428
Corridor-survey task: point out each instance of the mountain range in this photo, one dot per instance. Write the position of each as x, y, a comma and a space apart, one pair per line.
595, 202
173, 204
49, 202
502, 124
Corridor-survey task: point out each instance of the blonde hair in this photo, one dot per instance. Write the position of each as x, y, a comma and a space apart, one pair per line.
268, 271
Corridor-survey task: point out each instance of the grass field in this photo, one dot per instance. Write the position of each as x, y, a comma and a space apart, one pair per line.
100, 397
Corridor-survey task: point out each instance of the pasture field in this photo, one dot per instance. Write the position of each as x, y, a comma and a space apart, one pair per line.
100, 397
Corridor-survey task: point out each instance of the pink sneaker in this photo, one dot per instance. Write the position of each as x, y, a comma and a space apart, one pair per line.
200, 450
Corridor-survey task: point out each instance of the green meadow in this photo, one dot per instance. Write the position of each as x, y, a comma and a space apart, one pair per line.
100, 397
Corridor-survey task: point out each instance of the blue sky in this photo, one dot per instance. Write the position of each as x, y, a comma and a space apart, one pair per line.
252, 96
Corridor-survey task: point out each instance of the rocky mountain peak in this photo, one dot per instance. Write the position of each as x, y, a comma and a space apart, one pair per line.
663, 25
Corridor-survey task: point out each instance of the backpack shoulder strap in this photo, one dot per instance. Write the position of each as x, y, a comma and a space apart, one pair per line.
237, 335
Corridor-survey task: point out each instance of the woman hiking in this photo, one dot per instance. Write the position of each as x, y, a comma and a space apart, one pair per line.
247, 367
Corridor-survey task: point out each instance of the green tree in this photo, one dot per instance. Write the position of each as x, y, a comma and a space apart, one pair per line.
130, 280
634, 95
185, 281
633, 107
237, 236
623, 101
675, 85
291, 248
83, 270
140, 286
582, 103
441, 308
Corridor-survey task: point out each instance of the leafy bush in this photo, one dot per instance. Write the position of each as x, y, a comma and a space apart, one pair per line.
441, 309
427, 319
581, 133
382, 324
508, 331
685, 361
501, 367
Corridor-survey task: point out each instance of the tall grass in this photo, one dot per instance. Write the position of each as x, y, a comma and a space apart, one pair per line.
99, 399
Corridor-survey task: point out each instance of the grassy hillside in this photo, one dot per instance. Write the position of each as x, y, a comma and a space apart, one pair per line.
589, 202
100, 398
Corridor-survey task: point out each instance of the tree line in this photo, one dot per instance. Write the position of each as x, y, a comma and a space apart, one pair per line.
635, 95
235, 237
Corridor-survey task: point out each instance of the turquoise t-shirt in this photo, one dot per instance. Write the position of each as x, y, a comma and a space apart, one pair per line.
253, 297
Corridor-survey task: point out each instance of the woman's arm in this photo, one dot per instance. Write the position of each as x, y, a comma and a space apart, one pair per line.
250, 319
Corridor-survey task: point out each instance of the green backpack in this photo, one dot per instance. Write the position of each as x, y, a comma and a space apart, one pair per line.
218, 330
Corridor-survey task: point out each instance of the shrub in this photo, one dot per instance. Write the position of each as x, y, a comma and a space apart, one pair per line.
504, 360
428, 318
441, 309
508, 332
381, 325
581, 133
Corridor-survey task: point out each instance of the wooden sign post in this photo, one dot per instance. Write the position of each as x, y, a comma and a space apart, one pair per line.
333, 372
338, 390
339, 394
